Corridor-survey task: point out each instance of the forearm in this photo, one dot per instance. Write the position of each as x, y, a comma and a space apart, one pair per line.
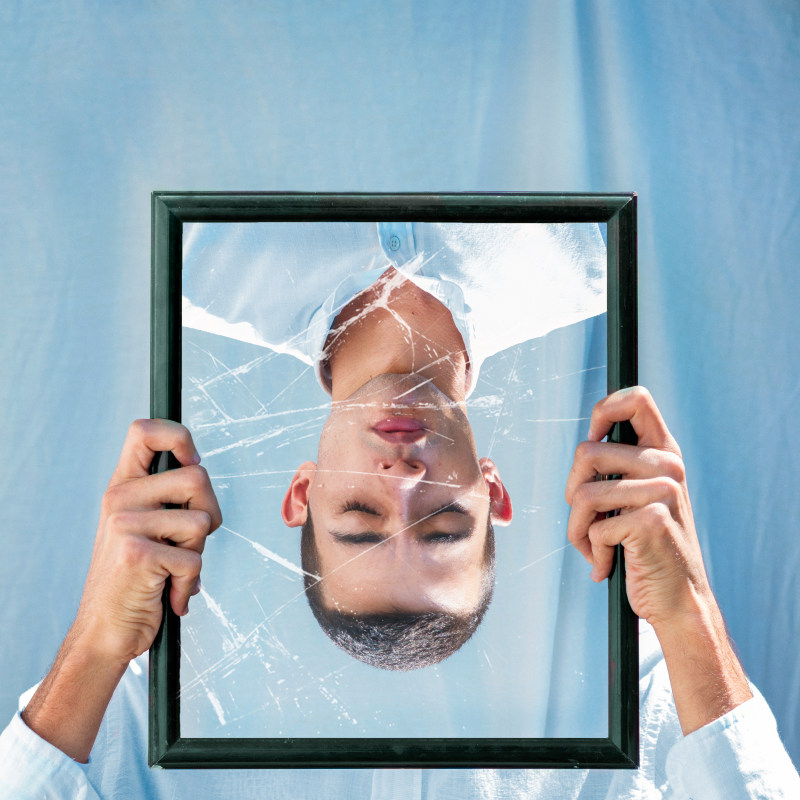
706, 677
152, 528
69, 705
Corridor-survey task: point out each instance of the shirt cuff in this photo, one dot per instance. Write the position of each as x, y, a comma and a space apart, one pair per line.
30, 767
739, 755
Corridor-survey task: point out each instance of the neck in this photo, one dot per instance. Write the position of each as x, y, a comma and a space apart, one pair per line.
395, 327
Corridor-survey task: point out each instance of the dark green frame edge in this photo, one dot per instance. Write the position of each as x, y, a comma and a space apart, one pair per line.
169, 211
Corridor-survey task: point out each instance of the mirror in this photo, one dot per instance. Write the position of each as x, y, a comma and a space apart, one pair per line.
388, 411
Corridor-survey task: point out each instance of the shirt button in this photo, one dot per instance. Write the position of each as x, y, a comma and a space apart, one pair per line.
394, 243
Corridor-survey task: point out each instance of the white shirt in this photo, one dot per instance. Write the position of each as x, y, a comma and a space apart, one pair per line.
280, 285
737, 757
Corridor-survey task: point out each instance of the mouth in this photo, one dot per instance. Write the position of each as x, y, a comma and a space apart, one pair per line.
401, 430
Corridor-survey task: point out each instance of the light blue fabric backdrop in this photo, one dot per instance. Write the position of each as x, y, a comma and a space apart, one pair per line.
691, 104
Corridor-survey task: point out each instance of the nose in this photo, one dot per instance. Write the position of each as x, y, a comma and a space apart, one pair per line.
409, 468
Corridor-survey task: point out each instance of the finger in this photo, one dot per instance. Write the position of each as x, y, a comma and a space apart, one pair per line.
581, 542
602, 555
641, 533
188, 486
182, 527
600, 497
184, 570
637, 405
629, 461
145, 438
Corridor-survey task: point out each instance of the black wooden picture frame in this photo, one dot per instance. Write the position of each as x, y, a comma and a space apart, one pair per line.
170, 210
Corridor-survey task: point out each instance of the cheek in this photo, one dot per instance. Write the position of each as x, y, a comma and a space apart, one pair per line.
461, 463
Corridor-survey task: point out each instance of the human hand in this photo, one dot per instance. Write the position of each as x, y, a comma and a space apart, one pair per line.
665, 576
664, 573
139, 543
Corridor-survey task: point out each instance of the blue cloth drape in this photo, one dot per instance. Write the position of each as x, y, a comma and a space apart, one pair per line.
691, 104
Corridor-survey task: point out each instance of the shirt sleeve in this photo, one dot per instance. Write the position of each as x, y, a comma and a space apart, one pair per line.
737, 757
31, 768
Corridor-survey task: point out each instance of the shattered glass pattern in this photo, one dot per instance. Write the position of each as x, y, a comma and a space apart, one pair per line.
255, 663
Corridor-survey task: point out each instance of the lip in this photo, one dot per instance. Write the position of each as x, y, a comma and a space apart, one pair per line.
400, 430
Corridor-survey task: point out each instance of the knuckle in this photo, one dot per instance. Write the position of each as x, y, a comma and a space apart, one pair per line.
596, 532
202, 520
196, 478
573, 536
121, 521
583, 494
112, 499
641, 395
134, 551
674, 467
584, 452
668, 488
194, 563
199, 524
139, 428
657, 517
182, 433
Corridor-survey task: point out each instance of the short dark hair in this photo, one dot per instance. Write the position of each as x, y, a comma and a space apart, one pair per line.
401, 641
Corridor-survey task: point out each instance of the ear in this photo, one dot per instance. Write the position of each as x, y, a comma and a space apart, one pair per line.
294, 509
499, 500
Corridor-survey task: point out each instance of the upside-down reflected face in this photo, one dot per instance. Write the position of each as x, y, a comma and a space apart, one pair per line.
400, 502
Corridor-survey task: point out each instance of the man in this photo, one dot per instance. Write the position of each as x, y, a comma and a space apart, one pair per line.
402, 533
727, 746
398, 512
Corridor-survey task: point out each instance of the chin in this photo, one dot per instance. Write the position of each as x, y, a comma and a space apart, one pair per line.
395, 389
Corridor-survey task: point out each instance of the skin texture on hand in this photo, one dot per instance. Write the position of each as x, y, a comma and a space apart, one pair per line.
665, 577
139, 545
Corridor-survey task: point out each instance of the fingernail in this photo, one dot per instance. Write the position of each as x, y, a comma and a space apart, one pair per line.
196, 589
196, 459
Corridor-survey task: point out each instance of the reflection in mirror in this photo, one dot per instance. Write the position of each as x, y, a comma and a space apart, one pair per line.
356, 391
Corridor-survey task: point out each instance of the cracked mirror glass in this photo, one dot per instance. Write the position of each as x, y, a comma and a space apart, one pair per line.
388, 414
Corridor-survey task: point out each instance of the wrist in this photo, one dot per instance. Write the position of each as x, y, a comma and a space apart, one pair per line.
69, 705
693, 621
93, 650
706, 677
